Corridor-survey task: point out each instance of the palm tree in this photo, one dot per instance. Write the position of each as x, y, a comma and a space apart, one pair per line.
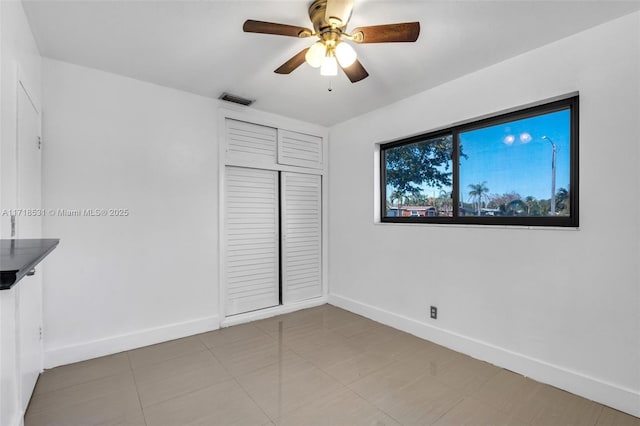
415, 198
529, 200
445, 201
562, 200
397, 195
478, 194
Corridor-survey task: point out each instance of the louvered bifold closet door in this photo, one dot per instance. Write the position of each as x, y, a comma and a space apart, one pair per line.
252, 239
299, 149
301, 201
251, 143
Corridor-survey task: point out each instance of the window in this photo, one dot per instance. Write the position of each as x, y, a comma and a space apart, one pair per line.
519, 168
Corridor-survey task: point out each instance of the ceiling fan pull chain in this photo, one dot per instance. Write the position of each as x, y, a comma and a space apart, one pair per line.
330, 89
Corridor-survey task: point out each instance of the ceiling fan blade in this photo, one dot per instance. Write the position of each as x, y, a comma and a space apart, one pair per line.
356, 72
390, 33
340, 10
251, 26
292, 63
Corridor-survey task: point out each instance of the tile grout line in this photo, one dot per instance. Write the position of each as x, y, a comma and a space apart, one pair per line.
172, 357
215, 357
227, 369
238, 382
599, 414
449, 410
343, 385
155, 364
416, 379
278, 340
254, 401
375, 406
59, 409
79, 383
194, 390
282, 339
187, 393
135, 382
492, 404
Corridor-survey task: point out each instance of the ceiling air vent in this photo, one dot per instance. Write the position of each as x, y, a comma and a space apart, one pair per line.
235, 99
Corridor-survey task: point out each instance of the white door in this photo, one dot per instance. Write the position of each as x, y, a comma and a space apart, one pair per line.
29, 196
251, 219
301, 201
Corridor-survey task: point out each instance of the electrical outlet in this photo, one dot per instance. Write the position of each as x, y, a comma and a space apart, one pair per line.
434, 312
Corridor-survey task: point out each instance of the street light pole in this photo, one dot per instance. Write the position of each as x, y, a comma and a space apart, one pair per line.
554, 151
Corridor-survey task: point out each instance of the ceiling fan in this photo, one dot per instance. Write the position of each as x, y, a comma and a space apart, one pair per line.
330, 19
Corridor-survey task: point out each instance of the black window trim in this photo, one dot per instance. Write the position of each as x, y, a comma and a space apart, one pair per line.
571, 103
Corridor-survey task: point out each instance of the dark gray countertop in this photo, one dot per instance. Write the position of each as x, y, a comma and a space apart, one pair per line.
17, 257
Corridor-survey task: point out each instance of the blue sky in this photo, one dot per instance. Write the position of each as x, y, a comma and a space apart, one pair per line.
513, 157
519, 159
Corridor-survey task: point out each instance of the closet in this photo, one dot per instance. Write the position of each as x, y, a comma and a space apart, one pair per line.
272, 217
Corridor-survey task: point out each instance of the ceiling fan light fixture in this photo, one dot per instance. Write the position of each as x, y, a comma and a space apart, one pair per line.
316, 54
330, 19
329, 66
346, 54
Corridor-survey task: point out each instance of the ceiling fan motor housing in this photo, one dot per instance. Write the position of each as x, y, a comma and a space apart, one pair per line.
317, 14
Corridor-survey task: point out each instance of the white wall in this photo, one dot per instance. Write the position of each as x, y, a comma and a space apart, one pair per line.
561, 306
19, 59
116, 283
119, 282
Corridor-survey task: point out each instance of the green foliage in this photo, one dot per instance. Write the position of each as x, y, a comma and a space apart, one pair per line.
512, 204
515, 208
562, 202
408, 167
498, 201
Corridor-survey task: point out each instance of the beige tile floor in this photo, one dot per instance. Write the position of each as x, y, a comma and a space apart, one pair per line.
319, 366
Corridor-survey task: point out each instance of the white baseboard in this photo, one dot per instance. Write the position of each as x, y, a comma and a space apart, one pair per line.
110, 345
18, 419
617, 397
124, 342
272, 312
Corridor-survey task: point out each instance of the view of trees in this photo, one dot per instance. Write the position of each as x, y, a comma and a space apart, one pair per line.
413, 167
503, 171
481, 202
478, 195
409, 167
512, 204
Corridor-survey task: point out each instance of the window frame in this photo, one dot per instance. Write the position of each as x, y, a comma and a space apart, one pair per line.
570, 103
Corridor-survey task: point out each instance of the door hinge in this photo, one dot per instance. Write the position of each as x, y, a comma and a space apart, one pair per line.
39, 142
13, 225
40, 329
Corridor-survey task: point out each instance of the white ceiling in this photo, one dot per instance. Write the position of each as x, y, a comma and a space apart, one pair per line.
198, 46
